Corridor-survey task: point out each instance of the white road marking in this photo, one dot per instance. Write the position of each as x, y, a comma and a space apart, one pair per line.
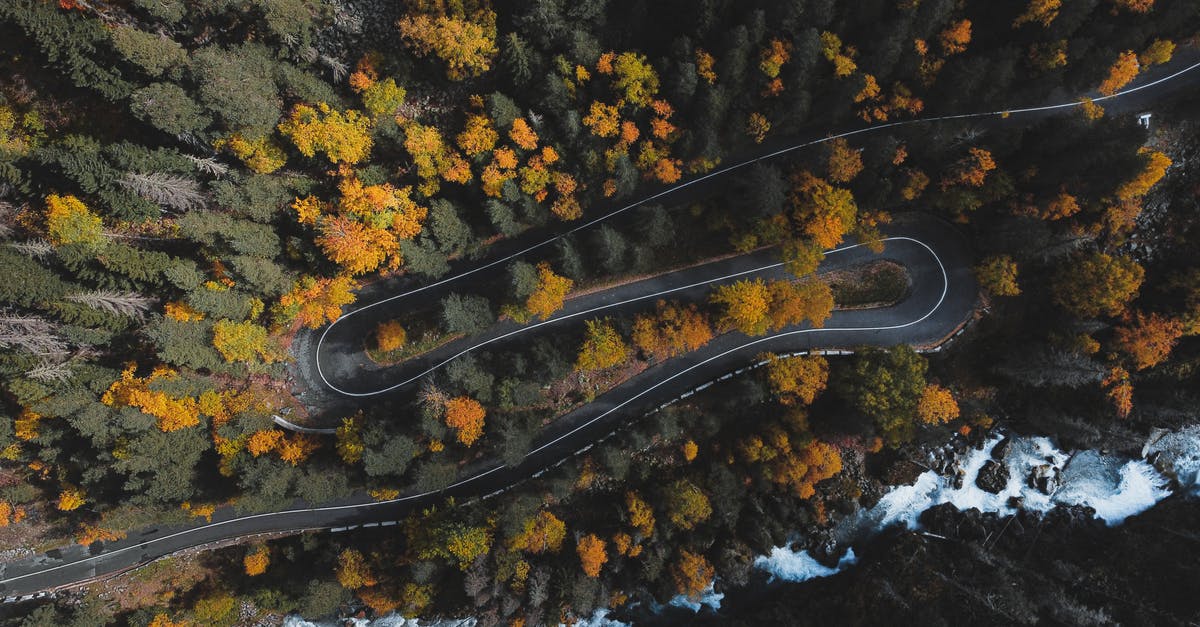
945, 289
714, 173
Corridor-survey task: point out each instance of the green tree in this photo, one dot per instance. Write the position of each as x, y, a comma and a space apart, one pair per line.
238, 85
687, 505
886, 385
468, 314
154, 53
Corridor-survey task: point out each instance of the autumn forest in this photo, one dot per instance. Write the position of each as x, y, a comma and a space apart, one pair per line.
265, 255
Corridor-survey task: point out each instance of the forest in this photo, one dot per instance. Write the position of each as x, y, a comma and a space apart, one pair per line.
191, 193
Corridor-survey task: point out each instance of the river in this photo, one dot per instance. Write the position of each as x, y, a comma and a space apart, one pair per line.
1040, 476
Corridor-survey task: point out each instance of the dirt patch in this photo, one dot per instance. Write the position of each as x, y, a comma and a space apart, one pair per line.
153, 584
870, 285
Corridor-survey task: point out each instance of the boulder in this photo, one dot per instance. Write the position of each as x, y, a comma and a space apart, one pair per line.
1044, 478
1001, 448
993, 477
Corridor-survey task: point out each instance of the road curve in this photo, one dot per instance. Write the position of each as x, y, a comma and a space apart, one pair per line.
943, 293
391, 303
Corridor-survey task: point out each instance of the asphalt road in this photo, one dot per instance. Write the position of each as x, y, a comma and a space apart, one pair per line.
943, 294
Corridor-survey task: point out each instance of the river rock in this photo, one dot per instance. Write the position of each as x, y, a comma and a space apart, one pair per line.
1044, 478
1001, 448
993, 477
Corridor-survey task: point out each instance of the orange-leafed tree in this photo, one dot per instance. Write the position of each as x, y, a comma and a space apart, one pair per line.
342, 137
634, 78
542, 533
745, 306
297, 448
69, 221
1119, 390
672, 330
666, 170
478, 136
381, 599
10, 514
1040, 12
357, 247
1147, 341
314, 302
843, 62
164, 620
1123, 70
914, 185
465, 415
757, 127
704, 66
1135, 6
523, 135
1061, 206
936, 405
602, 347
603, 119
1098, 284
1156, 168
692, 574
461, 34
870, 89
70, 499
264, 441
825, 213
843, 161
90, 533
773, 57
549, 294
797, 378
256, 560
308, 209
956, 37
1157, 53
352, 570
641, 514
820, 461
689, 450
592, 554
998, 275
971, 170
794, 302
389, 336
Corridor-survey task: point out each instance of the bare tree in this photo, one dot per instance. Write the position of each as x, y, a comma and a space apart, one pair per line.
31, 333
336, 67
50, 372
128, 304
539, 587
195, 142
174, 192
209, 165
36, 248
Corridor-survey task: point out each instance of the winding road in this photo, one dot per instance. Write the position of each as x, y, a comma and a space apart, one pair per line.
942, 296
